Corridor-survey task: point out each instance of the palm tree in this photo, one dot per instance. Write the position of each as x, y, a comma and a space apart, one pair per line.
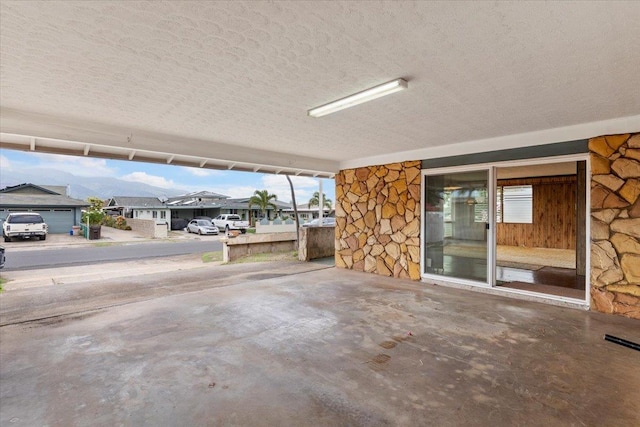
315, 200
262, 199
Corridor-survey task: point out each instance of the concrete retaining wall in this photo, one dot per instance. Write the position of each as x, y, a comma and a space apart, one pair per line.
248, 244
316, 242
148, 228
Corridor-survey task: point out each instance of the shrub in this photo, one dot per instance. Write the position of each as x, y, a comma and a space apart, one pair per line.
94, 215
121, 222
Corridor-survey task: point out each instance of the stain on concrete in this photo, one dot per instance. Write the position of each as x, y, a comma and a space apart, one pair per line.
381, 358
388, 344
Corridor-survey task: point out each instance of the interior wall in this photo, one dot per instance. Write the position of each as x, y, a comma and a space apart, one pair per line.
378, 219
554, 215
615, 224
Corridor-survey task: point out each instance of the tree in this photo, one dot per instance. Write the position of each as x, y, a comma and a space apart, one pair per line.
315, 200
262, 199
94, 214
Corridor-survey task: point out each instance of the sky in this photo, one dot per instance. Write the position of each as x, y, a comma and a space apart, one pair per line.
230, 183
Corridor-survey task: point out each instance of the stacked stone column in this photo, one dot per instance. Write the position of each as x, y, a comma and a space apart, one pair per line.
615, 224
378, 219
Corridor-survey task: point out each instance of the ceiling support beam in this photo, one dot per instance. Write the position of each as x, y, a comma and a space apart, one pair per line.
203, 162
33, 144
256, 169
170, 159
132, 155
87, 148
231, 166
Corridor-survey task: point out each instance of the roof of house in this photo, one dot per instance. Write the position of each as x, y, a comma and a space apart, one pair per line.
193, 201
37, 200
243, 203
31, 195
28, 188
135, 202
200, 195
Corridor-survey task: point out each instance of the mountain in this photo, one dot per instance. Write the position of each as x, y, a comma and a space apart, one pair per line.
82, 187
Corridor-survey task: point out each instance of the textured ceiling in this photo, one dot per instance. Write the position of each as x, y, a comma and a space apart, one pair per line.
231, 81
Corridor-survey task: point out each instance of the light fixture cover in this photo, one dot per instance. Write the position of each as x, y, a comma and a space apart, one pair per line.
358, 98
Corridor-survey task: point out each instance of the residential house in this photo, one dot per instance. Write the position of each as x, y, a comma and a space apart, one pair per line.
189, 206
58, 210
139, 208
240, 206
306, 213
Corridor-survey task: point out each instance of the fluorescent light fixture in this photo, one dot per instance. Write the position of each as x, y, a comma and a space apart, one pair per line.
358, 98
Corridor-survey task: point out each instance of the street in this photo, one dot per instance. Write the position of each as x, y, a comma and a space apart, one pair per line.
67, 256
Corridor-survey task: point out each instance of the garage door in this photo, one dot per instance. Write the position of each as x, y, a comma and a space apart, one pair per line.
58, 220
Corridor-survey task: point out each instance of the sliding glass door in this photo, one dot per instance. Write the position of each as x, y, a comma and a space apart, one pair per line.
456, 222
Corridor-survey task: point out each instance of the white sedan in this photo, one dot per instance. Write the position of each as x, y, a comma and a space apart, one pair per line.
202, 226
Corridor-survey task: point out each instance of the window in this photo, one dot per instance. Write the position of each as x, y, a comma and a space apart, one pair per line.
514, 204
154, 214
163, 215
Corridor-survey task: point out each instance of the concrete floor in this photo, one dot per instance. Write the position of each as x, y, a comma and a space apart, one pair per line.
287, 347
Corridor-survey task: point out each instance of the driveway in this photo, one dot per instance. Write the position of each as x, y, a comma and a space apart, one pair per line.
294, 344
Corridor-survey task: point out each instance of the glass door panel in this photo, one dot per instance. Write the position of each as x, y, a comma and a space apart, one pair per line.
456, 218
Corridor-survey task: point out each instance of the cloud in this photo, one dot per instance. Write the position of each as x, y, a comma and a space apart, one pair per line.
143, 177
79, 166
201, 172
5, 164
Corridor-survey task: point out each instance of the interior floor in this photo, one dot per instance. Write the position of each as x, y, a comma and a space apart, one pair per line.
549, 271
549, 280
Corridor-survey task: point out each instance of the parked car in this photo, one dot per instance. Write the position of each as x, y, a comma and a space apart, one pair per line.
228, 222
326, 222
202, 226
24, 225
2, 257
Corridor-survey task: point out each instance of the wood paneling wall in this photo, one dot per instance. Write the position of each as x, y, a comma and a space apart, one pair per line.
554, 215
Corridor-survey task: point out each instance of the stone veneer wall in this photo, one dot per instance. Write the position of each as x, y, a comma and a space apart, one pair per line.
615, 224
378, 219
